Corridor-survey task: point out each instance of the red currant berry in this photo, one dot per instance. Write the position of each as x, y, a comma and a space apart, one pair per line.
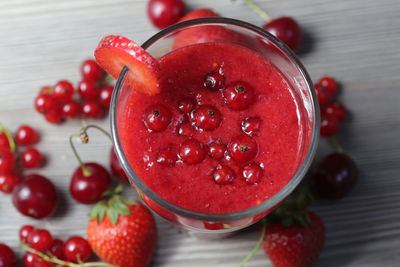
92, 109
223, 175
71, 109
88, 90
214, 80
336, 109
32, 158
40, 239
105, 95
8, 181
243, 148
329, 125
287, 30
207, 117
157, 118
7, 256
35, 196
192, 151
251, 126
30, 259
26, 136
87, 186
25, 231
63, 91
91, 71
166, 158
116, 168
252, 173
335, 176
216, 149
329, 84
45, 103
7, 160
239, 95
57, 249
164, 13
4, 142
322, 94
42, 263
186, 105
187, 130
46, 90
77, 248
54, 117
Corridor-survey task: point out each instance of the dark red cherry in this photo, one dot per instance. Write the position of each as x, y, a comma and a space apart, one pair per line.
88, 90
329, 125
71, 109
32, 158
287, 30
7, 160
26, 136
63, 91
223, 175
336, 109
87, 186
243, 148
91, 71
57, 249
166, 158
8, 181
252, 173
92, 109
216, 149
334, 177
157, 117
207, 117
164, 13
77, 248
239, 95
186, 105
105, 95
186, 129
251, 126
214, 80
192, 151
40, 239
35, 196
7, 256
45, 103
116, 167
25, 231
329, 84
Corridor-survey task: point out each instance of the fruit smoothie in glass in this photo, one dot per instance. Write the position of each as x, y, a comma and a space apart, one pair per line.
230, 132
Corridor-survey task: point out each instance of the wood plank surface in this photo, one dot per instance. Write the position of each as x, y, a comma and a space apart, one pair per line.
355, 41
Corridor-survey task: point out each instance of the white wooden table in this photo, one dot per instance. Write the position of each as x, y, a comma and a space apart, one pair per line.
356, 41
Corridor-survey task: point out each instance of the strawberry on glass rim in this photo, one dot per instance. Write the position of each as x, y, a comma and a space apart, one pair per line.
114, 52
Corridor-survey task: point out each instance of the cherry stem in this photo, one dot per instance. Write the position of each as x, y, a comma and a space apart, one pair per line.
258, 10
9, 137
57, 261
258, 245
335, 142
85, 170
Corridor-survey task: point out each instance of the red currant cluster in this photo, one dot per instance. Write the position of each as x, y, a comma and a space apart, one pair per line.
43, 249
60, 102
29, 158
332, 112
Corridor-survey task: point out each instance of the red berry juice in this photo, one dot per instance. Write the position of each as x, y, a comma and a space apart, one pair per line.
247, 173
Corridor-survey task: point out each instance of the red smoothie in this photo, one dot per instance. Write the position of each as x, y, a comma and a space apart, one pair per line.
222, 136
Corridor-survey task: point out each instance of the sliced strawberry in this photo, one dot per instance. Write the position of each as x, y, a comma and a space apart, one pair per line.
114, 52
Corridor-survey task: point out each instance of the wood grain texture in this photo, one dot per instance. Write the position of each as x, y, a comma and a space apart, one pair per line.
355, 41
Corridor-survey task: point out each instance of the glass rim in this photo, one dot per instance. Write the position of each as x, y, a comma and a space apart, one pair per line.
219, 217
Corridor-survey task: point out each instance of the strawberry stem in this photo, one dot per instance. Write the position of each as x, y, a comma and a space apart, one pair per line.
258, 10
9, 137
336, 144
257, 246
57, 261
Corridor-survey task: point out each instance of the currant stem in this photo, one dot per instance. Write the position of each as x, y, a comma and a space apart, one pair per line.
85, 170
258, 10
57, 261
9, 137
335, 142
257, 246
85, 128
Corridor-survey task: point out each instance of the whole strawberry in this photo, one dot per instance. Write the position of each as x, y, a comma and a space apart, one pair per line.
122, 232
294, 245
